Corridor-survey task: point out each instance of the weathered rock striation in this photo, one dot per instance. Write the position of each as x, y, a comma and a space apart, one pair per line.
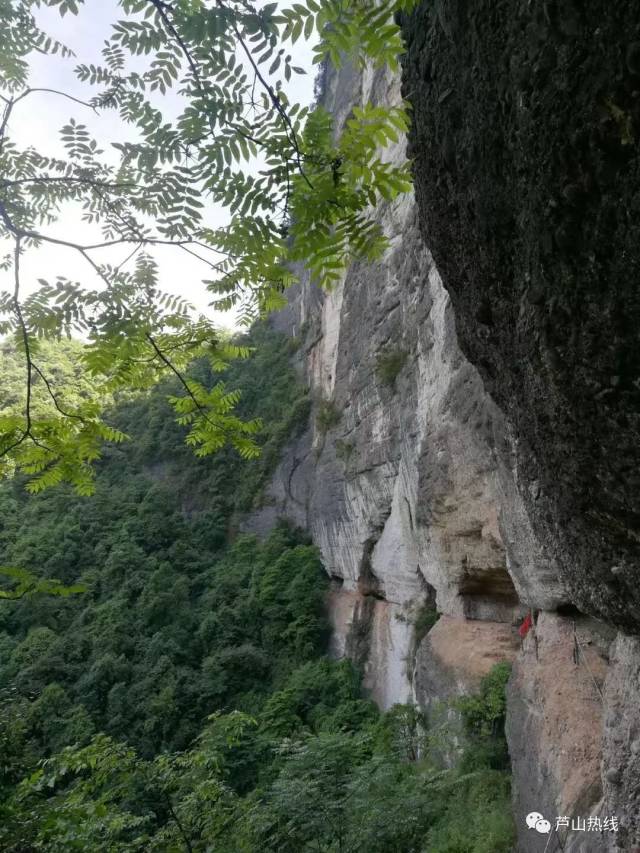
402, 477
473, 442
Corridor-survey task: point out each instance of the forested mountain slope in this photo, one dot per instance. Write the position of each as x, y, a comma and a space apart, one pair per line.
185, 699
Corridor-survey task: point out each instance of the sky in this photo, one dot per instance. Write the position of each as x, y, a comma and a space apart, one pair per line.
37, 121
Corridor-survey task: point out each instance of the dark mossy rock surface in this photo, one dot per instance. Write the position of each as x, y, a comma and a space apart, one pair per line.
527, 164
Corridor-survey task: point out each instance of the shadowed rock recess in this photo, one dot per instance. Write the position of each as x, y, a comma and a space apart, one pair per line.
473, 447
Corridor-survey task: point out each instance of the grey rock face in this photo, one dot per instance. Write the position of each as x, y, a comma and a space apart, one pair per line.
555, 719
528, 187
621, 752
419, 493
405, 478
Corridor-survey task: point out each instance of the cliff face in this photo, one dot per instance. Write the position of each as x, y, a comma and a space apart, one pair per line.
526, 124
423, 491
527, 167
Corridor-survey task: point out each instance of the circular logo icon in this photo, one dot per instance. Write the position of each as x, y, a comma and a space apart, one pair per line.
533, 818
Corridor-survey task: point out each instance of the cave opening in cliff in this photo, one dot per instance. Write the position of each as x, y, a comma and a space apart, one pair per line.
569, 610
488, 593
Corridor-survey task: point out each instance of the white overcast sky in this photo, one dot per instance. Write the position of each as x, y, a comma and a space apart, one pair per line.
37, 121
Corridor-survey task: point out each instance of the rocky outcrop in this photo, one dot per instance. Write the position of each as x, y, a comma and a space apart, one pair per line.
456, 654
527, 166
621, 747
405, 478
555, 729
453, 463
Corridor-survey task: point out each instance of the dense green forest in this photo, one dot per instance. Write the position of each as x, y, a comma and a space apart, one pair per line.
184, 700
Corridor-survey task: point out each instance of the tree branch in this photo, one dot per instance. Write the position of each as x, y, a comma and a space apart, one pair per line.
175, 817
53, 396
275, 100
62, 95
50, 179
27, 432
162, 8
90, 247
184, 384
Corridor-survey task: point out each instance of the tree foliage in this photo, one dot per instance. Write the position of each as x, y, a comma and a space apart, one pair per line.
21, 583
185, 701
295, 191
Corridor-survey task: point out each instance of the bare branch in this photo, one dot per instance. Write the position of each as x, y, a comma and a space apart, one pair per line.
53, 396
275, 100
131, 254
90, 247
62, 95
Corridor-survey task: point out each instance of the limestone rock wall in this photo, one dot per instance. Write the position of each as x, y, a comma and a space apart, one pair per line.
526, 157
527, 173
555, 729
413, 484
621, 746
404, 483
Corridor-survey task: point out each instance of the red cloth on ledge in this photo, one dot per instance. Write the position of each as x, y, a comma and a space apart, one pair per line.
526, 626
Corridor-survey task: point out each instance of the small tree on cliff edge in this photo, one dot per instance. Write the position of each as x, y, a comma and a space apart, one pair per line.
310, 202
